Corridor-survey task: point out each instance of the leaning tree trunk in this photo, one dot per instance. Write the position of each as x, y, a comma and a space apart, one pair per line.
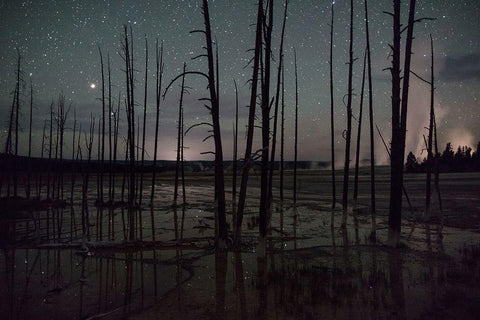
219, 173
248, 161
275, 115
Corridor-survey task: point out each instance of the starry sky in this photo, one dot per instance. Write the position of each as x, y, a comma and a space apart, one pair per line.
59, 39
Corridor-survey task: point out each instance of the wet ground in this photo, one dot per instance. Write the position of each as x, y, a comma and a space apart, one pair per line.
53, 267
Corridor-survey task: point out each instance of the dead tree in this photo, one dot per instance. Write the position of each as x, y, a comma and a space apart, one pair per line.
110, 146
430, 136
179, 137
332, 114
142, 165
275, 114
348, 131
50, 140
359, 133
282, 134
61, 121
116, 122
396, 163
437, 170
158, 90
296, 133
248, 160
30, 141
102, 146
235, 154
127, 47
399, 117
74, 132
265, 108
372, 136
215, 125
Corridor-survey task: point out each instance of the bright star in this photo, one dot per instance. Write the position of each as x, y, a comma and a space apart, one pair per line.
93, 85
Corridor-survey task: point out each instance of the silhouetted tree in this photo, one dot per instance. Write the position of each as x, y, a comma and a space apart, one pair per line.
179, 136
265, 108
30, 141
248, 161
140, 193
372, 136
158, 90
235, 154
214, 111
399, 117
295, 157
275, 114
332, 114
348, 131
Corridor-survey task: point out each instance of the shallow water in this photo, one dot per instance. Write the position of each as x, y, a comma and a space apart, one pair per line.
55, 266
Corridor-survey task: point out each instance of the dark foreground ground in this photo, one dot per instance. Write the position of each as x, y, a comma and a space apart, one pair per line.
53, 268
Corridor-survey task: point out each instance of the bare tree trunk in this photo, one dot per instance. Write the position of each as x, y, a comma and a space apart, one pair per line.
130, 105
275, 115
100, 195
116, 121
399, 119
30, 141
332, 115
430, 137
182, 162
62, 118
264, 186
372, 136
235, 154
251, 123
282, 135
359, 133
50, 151
110, 145
128, 52
39, 192
437, 171
357, 151
88, 145
395, 213
348, 133
144, 124
179, 137
219, 173
17, 112
74, 166
8, 146
296, 133
158, 89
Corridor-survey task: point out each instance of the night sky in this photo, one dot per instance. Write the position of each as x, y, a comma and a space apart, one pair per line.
59, 43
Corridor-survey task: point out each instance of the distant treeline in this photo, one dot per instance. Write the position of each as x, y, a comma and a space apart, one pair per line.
464, 159
42, 165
